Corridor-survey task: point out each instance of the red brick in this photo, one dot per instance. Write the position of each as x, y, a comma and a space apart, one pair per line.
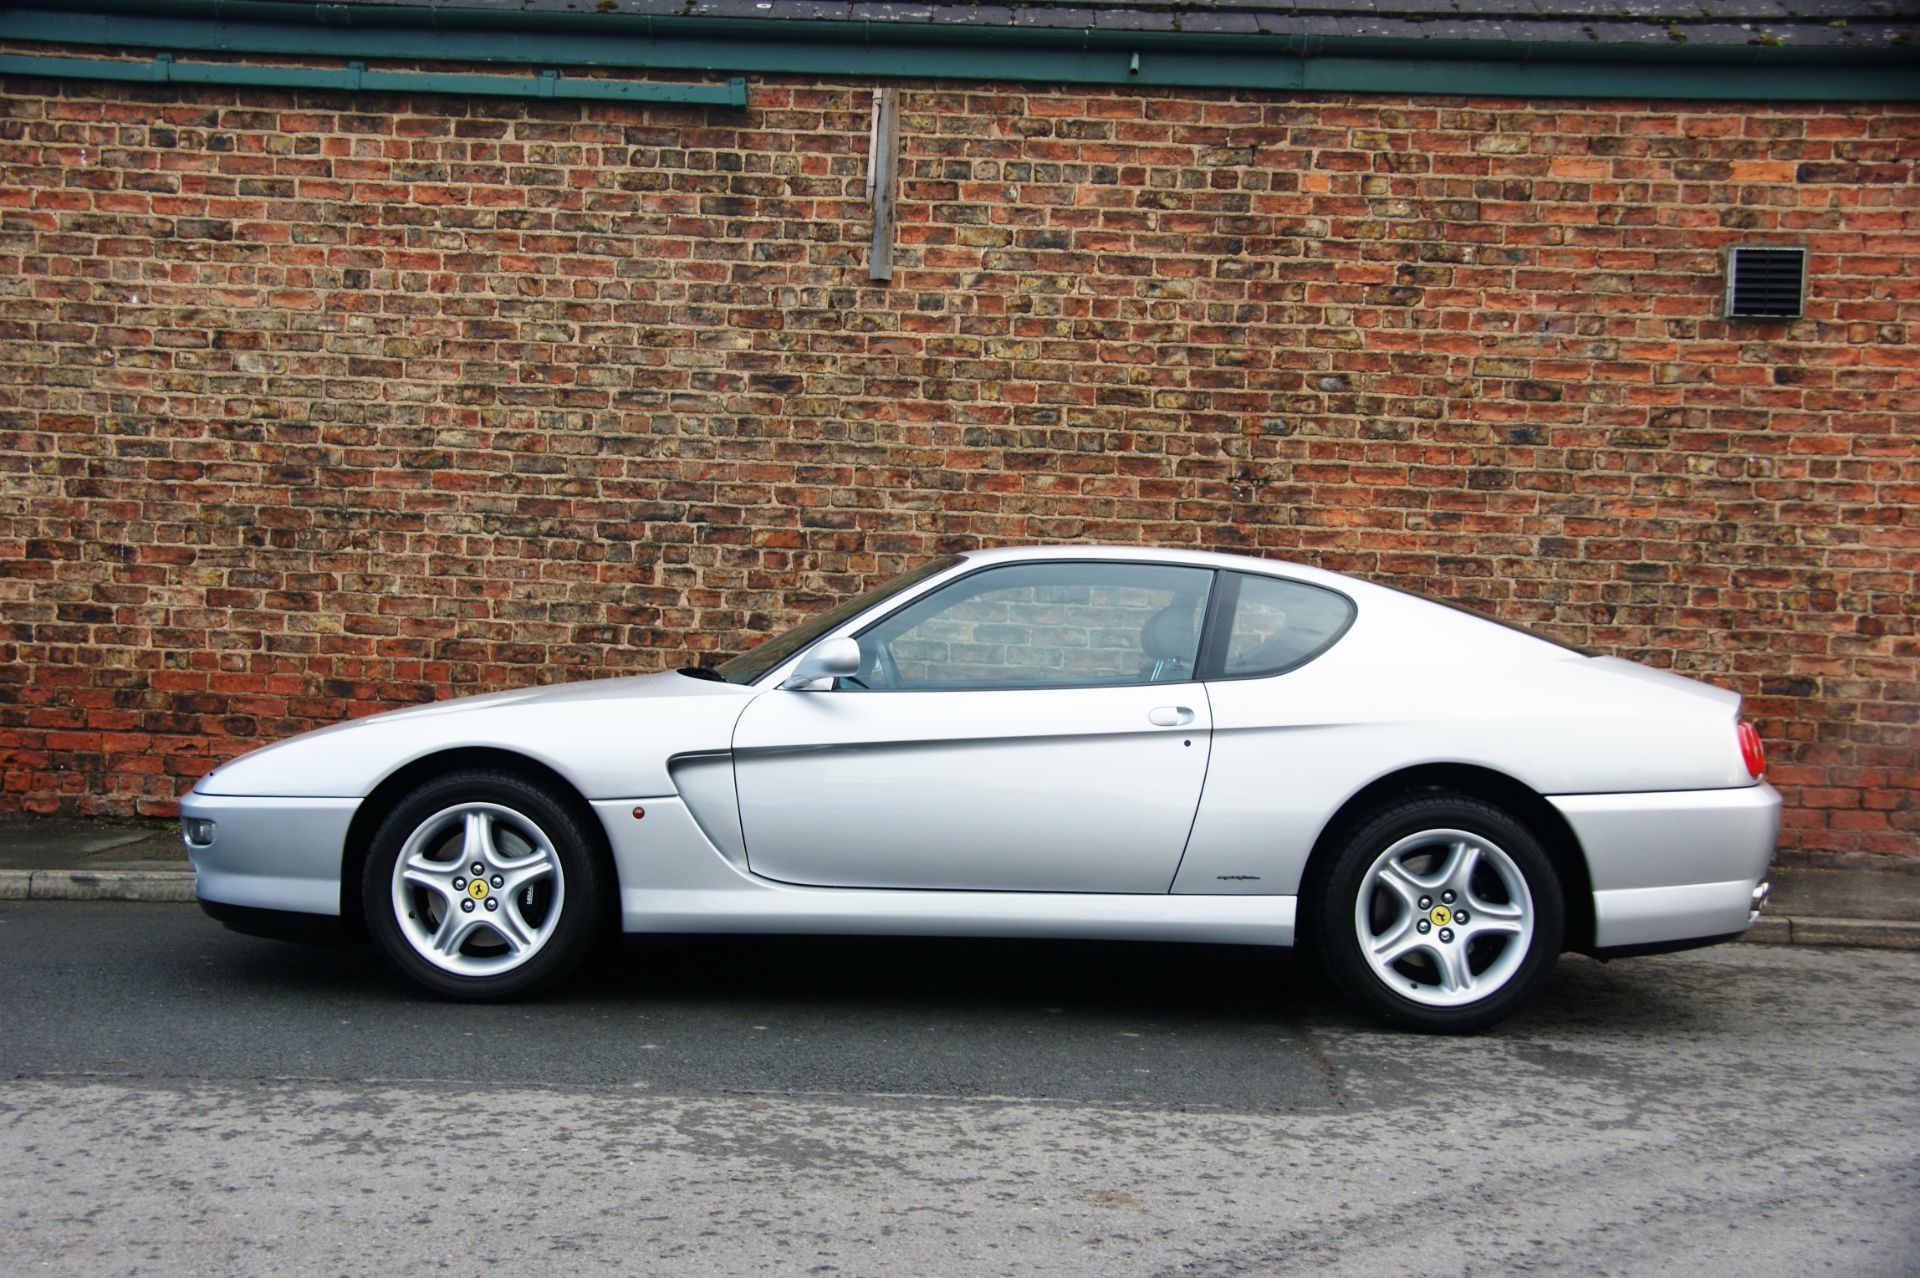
401, 406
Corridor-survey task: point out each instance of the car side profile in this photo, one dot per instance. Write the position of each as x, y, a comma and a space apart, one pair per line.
1097, 742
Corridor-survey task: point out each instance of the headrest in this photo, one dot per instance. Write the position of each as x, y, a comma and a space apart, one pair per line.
1168, 634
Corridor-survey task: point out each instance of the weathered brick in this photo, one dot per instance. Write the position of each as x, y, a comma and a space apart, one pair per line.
306, 412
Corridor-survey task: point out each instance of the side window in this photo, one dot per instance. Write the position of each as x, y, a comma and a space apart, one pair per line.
1280, 624
1046, 625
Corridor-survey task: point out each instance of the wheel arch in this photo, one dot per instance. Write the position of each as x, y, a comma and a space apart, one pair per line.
1515, 797
404, 780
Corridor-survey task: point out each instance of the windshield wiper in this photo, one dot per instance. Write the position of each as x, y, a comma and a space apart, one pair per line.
702, 672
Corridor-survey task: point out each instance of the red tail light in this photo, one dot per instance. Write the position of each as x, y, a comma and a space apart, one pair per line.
1752, 752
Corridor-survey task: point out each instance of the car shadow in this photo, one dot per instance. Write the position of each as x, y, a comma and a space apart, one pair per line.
1230, 983
841, 976
1227, 983
1108, 1022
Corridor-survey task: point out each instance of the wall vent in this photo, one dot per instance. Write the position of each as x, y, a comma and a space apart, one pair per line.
1765, 283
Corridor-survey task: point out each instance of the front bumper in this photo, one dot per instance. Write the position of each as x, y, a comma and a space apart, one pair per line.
1674, 866
269, 854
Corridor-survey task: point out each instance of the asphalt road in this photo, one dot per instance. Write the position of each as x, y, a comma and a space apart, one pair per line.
180, 1099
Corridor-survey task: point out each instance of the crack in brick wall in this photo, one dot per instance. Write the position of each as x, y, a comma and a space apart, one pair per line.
312, 404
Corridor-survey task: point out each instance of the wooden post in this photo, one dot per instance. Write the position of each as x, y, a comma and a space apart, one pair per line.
883, 159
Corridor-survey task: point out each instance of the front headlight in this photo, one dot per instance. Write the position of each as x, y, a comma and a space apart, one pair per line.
197, 831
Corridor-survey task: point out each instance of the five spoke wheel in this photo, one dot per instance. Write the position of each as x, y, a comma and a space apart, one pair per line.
1440, 912
484, 885
1444, 916
477, 889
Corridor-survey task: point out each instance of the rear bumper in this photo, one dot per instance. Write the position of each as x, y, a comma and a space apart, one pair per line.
1635, 917
1674, 866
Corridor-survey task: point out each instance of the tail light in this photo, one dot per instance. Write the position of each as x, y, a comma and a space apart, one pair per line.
1752, 752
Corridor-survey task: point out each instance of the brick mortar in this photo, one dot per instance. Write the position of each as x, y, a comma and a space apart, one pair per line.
312, 405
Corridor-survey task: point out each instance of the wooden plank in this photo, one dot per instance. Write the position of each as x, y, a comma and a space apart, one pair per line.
883, 163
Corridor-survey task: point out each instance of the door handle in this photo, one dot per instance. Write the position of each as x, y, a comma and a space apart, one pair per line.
1169, 716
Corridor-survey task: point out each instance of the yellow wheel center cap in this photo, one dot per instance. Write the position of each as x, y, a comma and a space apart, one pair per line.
477, 889
1441, 916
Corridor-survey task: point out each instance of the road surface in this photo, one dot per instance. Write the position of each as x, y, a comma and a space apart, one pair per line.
180, 1099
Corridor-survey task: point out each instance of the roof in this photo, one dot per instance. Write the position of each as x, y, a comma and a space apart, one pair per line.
1708, 50
1837, 24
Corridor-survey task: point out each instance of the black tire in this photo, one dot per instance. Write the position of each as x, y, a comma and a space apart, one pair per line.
1452, 978
530, 918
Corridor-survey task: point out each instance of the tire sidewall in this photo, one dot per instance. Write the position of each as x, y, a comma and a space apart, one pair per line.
581, 904
1337, 942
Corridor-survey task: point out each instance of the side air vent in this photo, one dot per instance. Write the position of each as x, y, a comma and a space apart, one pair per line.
1765, 283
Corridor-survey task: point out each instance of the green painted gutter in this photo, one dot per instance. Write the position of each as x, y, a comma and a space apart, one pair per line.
952, 51
356, 76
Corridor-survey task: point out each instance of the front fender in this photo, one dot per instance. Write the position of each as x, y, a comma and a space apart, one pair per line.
608, 738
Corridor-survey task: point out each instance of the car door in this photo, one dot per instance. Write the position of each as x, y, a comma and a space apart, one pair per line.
1031, 727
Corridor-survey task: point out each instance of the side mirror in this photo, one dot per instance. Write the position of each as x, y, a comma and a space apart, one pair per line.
833, 659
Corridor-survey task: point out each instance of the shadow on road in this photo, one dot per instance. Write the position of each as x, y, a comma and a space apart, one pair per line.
163, 992
1228, 983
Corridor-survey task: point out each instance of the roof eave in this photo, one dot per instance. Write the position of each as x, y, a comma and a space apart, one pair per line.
1279, 62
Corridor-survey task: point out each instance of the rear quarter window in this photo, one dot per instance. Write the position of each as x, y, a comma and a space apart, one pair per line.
1273, 625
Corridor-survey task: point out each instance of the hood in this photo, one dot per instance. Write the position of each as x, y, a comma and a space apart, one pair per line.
623, 688
610, 738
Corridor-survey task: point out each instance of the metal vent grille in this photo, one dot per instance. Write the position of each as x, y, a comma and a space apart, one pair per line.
1766, 282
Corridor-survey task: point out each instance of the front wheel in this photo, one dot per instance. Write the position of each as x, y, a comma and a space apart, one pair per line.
1441, 913
482, 885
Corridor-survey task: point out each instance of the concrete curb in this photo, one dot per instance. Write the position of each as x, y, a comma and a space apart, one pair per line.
176, 887
169, 886
1804, 929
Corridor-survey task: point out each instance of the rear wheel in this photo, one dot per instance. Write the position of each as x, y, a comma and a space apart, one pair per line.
1440, 913
482, 885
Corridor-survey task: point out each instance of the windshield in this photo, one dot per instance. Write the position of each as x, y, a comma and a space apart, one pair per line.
750, 665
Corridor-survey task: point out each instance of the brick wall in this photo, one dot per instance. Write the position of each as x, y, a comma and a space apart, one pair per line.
314, 404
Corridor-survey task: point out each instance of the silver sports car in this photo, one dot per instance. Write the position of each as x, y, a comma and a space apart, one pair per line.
1063, 742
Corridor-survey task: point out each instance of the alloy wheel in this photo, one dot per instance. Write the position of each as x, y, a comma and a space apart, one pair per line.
478, 889
1444, 917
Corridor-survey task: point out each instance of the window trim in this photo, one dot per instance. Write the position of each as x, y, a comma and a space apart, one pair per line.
1210, 666
1194, 676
